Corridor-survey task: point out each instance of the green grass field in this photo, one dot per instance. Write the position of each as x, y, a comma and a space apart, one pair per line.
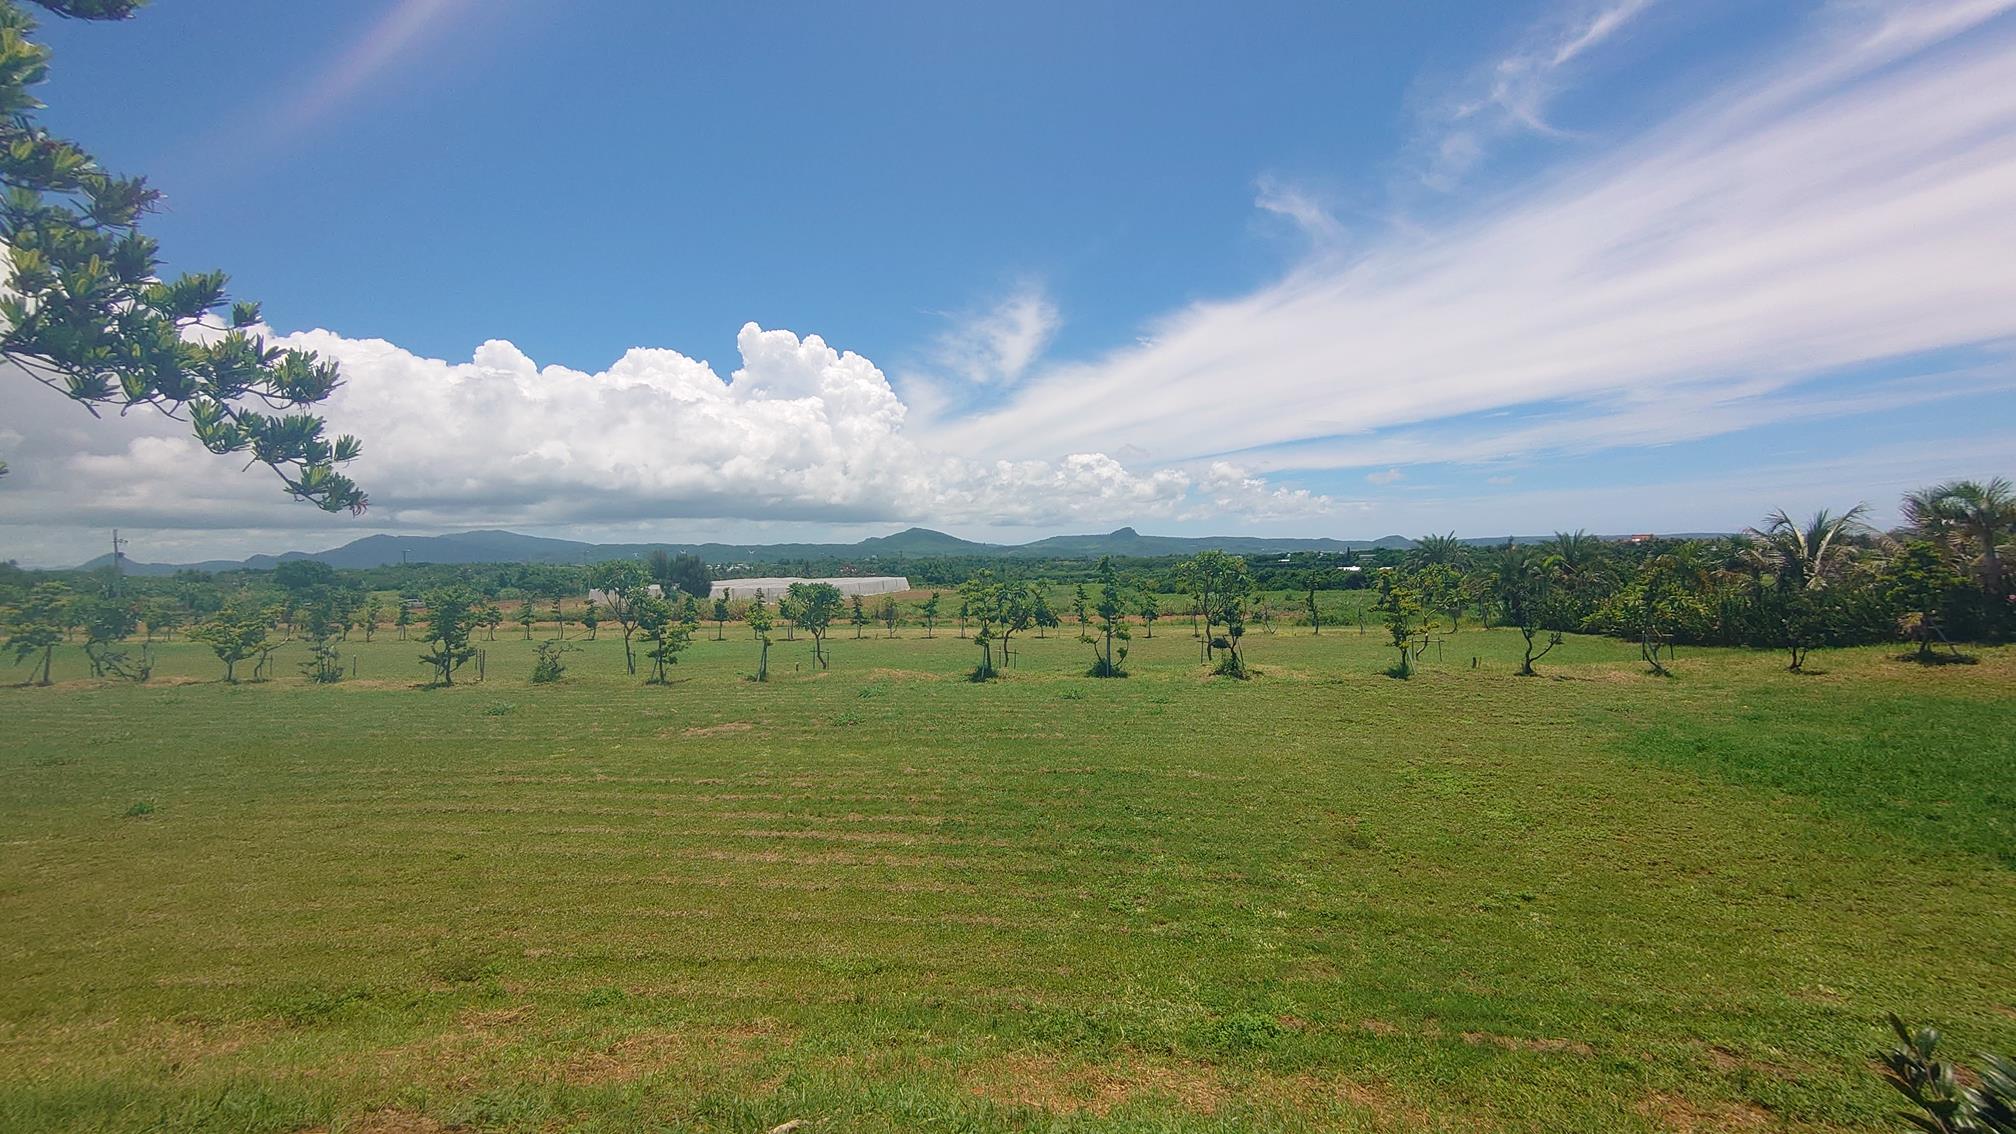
885, 899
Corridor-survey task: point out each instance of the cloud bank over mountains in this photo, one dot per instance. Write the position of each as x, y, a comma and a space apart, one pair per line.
800, 431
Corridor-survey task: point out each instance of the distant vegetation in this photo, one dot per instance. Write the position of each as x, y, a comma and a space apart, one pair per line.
1790, 585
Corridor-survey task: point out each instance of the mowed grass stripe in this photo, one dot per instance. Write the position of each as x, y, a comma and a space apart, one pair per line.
1321, 900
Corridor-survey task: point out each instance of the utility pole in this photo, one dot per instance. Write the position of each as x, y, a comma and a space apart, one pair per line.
118, 561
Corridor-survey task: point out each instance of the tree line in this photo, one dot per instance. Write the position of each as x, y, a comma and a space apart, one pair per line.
1936, 582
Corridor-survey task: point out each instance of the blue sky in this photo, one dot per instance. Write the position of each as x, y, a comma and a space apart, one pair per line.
1629, 265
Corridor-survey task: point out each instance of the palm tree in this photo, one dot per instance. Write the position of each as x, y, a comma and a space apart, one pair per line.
1439, 549
1968, 518
1570, 554
1806, 557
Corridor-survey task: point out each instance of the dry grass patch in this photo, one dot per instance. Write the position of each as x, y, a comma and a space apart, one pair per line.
717, 729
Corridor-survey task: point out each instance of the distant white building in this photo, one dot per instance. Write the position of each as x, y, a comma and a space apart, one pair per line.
601, 598
771, 588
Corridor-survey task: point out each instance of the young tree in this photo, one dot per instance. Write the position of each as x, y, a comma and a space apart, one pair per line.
1311, 579
758, 617
665, 636
450, 619
559, 621
404, 618
162, 614
929, 611
490, 615
1402, 610
1524, 588
324, 665
38, 626
1234, 591
1149, 610
526, 617
107, 622
1204, 576
374, 613
1921, 583
1081, 605
591, 617
624, 583
1112, 624
548, 667
889, 613
720, 616
858, 616
1042, 615
813, 606
234, 633
1013, 611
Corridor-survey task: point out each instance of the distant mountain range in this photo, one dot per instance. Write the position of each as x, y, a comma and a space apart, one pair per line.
914, 543
511, 547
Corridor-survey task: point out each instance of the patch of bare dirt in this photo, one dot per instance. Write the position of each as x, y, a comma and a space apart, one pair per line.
718, 729
1048, 1084
648, 1053
1684, 1116
391, 1120
882, 674
1529, 1043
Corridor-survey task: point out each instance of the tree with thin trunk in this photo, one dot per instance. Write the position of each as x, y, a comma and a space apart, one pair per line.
813, 606
889, 614
1112, 625
1524, 588
624, 583
929, 611
1150, 611
758, 618
38, 626
527, 617
234, 633
1310, 580
720, 616
1206, 576
591, 618
858, 616
665, 636
451, 616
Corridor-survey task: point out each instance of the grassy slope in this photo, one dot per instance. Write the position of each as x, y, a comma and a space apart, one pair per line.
883, 898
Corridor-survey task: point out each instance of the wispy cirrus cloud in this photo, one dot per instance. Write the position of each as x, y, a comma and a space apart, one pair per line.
1842, 205
1513, 92
996, 344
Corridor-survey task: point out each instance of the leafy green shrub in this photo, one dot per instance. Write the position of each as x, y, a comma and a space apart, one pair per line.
140, 810
548, 667
1944, 1105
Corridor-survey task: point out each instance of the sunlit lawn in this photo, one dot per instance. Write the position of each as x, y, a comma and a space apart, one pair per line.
882, 898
